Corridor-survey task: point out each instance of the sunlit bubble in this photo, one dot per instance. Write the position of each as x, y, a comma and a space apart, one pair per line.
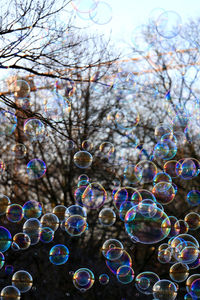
186, 169
14, 213
175, 227
127, 120
146, 229
193, 198
22, 241
145, 281
101, 13
106, 149
94, 196
2, 260
34, 130
170, 168
193, 220
164, 256
195, 264
107, 217
50, 220
179, 272
104, 279
112, 249
78, 195
162, 176
182, 225
75, 210
20, 88
60, 211
10, 292
83, 279
123, 260
125, 274
87, 145
83, 159
75, 225
36, 168
19, 151
69, 145
8, 122
32, 228
130, 174
164, 192
59, 254
164, 289
168, 24
191, 279
46, 235
32, 209
124, 208
147, 170
22, 280
4, 203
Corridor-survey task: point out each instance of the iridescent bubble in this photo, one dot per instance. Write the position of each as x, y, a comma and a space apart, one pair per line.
107, 216
5, 239
112, 249
36, 168
175, 227
94, 196
8, 122
87, 145
188, 297
10, 292
83, 159
59, 254
75, 210
83, 279
104, 279
182, 225
2, 260
164, 192
179, 272
164, 256
34, 130
195, 289
130, 174
193, 198
22, 280
186, 169
32, 228
46, 235
60, 211
125, 274
163, 129
170, 168
101, 13
168, 24
50, 220
146, 229
124, 194
20, 88
127, 119
4, 203
69, 145
162, 176
124, 208
32, 209
106, 149
190, 281
22, 240
146, 170
14, 213
75, 225
164, 289
84, 6
193, 220
145, 281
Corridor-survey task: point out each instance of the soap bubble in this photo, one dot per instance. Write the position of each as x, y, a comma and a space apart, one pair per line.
2, 260
75, 210
146, 170
50, 220
191, 279
87, 145
107, 217
164, 256
104, 279
20, 88
168, 24
59, 254
22, 280
193, 220
94, 196
83, 159
125, 274
46, 235
22, 241
112, 249
5, 239
14, 213
164, 192
36, 169
164, 289
19, 150
193, 198
10, 292
179, 272
83, 279
145, 281
100, 13
8, 122
32, 228
75, 225
34, 129
4, 203
32, 209
60, 211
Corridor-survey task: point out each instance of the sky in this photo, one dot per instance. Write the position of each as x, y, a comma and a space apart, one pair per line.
129, 14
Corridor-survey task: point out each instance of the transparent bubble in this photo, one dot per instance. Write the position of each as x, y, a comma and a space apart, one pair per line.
19, 150
46, 235
4, 203
170, 168
5, 239
191, 279
164, 256
10, 292
125, 274
83, 159
14, 213
162, 176
107, 217
69, 145
124, 208
164, 192
182, 225
145, 281
9, 269
32, 209
8, 122
36, 168
22, 280
130, 174
75, 210
20, 88
112, 249
146, 170
164, 289
75, 225
22, 241
179, 272
124, 194
123, 260
193, 220
60, 211
94, 196
193, 198
34, 130
2, 260
87, 145
59, 254
50, 220
163, 129
32, 228
104, 279
83, 279
168, 24
100, 13
175, 227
